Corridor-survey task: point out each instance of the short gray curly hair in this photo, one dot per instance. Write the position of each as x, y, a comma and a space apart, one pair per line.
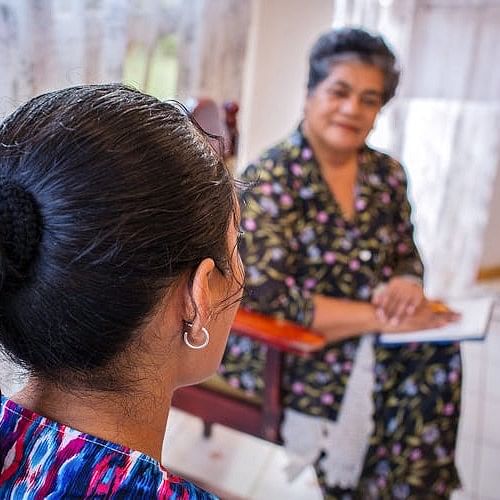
353, 44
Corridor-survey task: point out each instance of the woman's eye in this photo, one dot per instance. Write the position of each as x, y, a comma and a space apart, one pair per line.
371, 101
339, 93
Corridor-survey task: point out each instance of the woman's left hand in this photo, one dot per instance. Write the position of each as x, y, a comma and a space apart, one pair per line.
399, 298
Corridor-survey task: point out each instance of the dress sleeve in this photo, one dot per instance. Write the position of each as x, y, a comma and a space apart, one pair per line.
269, 246
407, 258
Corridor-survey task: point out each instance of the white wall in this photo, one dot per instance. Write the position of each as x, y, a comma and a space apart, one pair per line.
281, 34
491, 250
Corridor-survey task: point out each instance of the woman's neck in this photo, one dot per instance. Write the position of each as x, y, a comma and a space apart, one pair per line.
135, 420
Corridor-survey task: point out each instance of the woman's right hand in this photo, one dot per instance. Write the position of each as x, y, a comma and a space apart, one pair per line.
427, 316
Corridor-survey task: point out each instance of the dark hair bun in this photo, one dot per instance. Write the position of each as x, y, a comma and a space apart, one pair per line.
20, 232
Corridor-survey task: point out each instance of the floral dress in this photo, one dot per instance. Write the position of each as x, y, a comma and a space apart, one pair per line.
298, 243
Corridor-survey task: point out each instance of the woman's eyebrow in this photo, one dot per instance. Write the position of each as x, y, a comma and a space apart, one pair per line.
341, 83
347, 86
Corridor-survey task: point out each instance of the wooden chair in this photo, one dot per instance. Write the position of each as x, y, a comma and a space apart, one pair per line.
215, 401
220, 121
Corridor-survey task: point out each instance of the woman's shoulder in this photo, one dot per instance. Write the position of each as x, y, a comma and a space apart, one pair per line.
383, 163
274, 163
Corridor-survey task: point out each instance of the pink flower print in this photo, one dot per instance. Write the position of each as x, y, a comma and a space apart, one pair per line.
430, 434
440, 488
453, 377
449, 409
266, 189
289, 281
381, 482
249, 224
322, 217
385, 198
402, 248
327, 399
306, 154
235, 350
234, 382
392, 181
330, 357
310, 283
296, 169
416, 454
381, 452
329, 257
386, 271
396, 449
286, 200
360, 204
347, 366
354, 265
298, 388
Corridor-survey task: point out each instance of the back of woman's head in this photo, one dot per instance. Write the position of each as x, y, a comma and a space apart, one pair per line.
107, 197
352, 44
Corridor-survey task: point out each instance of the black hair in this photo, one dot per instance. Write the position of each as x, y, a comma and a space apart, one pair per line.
339, 44
128, 196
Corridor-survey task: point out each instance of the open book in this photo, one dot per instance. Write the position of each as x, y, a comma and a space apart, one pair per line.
473, 325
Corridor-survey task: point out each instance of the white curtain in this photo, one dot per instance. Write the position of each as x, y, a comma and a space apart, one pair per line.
443, 125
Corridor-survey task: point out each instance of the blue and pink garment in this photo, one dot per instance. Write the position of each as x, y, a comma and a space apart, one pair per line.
42, 459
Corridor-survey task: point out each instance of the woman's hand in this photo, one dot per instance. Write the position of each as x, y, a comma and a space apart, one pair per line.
398, 299
428, 315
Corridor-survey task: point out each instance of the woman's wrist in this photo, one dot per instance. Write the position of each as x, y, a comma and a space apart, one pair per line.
340, 318
374, 323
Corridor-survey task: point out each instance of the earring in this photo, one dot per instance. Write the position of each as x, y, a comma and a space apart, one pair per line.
203, 344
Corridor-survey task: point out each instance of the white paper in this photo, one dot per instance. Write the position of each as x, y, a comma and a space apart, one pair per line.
473, 324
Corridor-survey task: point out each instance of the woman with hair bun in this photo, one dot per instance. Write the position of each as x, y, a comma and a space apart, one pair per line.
119, 278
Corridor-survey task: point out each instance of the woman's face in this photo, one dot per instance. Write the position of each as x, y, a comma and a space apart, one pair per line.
340, 112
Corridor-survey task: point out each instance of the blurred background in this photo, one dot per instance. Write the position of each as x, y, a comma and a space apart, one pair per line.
444, 125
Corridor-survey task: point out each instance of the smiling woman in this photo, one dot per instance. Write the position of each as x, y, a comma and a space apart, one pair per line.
329, 244
342, 109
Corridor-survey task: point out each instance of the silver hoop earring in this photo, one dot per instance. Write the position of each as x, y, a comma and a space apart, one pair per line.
203, 344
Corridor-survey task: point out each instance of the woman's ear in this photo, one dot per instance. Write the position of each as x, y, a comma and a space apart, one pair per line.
198, 300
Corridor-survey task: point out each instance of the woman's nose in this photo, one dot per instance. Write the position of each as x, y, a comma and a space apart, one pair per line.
351, 105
